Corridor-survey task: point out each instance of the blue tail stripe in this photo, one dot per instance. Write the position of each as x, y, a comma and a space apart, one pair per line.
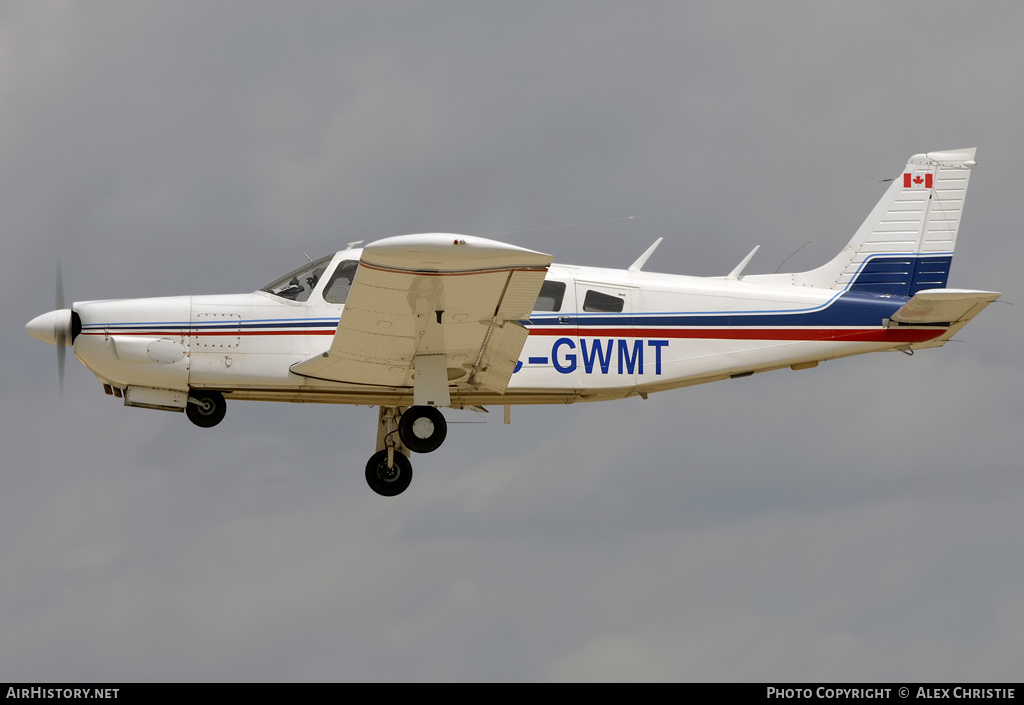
931, 273
902, 275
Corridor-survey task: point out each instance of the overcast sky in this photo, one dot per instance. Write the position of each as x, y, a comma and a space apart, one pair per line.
858, 521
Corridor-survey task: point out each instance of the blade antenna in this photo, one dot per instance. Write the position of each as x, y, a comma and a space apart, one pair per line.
639, 264
737, 271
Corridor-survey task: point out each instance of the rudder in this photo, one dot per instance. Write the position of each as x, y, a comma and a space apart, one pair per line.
906, 243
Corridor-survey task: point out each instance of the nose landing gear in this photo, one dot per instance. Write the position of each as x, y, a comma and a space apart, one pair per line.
419, 429
205, 408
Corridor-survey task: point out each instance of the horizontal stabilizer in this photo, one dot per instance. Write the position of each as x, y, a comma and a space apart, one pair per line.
944, 306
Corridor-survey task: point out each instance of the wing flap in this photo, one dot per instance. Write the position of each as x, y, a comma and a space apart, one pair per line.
454, 296
499, 356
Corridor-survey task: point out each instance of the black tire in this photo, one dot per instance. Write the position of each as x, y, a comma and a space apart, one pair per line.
210, 410
386, 481
422, 429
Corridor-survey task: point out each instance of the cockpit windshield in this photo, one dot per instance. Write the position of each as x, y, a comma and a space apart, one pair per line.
298, 285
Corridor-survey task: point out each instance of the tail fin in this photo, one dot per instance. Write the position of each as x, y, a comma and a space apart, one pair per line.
907, 242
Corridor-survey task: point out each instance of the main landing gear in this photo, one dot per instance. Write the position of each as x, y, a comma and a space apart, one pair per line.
422, 429
419, 428
400, 431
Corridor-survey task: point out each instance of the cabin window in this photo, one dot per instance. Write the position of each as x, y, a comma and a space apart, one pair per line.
336, 291
596, 302
550, 298
299, 284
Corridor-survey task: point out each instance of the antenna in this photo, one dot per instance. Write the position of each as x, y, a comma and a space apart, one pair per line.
642, 260
738, 270
791, 256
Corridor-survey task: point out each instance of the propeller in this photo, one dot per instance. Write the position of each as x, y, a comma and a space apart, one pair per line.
59, 327
61, 332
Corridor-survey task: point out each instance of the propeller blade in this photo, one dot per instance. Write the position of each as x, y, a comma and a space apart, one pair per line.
61, 353
60, 288
61, 338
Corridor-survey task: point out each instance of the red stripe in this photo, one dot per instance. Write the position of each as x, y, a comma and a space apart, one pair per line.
151, 333
871, 335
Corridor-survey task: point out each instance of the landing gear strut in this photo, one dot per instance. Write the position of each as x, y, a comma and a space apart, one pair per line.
400, 431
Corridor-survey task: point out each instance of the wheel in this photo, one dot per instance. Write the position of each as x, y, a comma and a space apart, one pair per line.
422, 429
209, 411
388, 481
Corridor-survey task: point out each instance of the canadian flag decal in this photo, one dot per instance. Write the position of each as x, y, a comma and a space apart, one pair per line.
912, 181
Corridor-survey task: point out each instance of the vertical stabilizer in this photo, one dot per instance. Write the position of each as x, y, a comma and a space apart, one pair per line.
906, 244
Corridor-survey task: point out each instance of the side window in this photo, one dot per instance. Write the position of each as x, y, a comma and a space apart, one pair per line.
596, 302
550, 298
336, 291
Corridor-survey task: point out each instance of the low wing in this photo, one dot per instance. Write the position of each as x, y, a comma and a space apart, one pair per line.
426, 311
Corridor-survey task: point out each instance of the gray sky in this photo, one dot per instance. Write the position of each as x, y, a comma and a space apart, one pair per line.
859, 521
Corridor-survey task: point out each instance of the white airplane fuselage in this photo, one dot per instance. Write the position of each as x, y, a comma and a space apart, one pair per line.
672, 331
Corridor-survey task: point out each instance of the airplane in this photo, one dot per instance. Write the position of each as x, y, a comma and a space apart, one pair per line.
416, 323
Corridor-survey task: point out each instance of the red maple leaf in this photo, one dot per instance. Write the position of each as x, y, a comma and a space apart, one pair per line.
918, 180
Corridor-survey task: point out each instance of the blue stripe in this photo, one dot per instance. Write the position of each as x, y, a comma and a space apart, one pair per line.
881, 285
931, 273
234, 325
849, 309
902, 275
